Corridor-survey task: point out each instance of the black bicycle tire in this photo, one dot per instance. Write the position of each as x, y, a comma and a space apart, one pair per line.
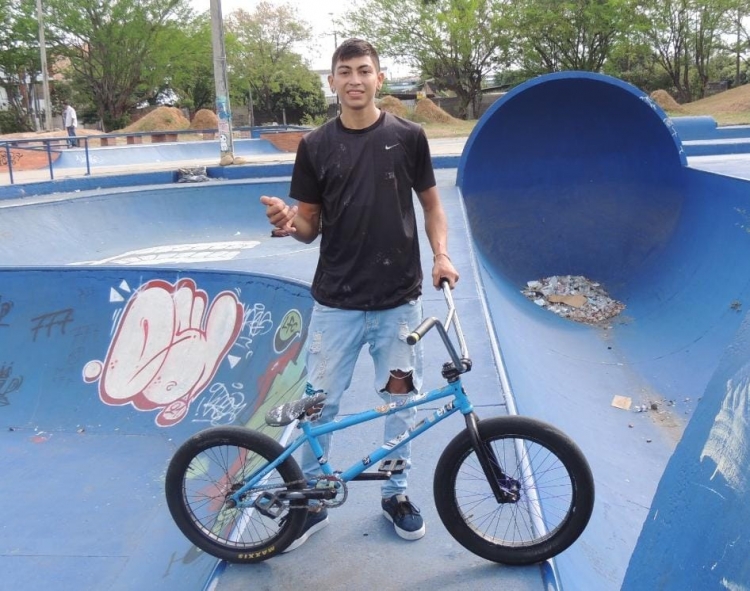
182, 514
537, 432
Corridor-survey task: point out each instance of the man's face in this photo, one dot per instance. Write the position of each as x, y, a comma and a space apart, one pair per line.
356, 81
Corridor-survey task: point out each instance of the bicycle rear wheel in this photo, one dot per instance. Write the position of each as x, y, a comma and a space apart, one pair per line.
549, 480
211, 465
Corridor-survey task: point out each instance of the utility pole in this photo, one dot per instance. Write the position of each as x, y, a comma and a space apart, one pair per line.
45, 78
223, 109
335, 47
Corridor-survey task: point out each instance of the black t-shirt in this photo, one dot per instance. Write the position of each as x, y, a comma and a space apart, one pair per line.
363, 180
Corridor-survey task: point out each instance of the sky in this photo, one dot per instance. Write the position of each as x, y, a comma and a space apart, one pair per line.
319, 14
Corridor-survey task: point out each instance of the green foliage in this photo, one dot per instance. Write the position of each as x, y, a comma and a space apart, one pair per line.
115, 48
455, 43
311, 121
116, 54
114, 123
556, 35
20, 61
260, 51
185, 63
9, 123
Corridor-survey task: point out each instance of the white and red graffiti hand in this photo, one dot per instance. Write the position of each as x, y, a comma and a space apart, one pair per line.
167, 348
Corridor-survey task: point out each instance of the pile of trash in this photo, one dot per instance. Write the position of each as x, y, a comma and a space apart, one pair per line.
574, 297
192, 174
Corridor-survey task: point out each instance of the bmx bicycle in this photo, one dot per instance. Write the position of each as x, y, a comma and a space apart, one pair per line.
511, 489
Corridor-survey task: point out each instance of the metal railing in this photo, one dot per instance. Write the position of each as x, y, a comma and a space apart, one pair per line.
55, 145
47, 146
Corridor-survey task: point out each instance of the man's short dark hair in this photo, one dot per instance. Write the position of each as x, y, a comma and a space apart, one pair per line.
352, 48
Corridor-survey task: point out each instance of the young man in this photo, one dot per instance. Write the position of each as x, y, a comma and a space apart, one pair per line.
70, 121
352, 180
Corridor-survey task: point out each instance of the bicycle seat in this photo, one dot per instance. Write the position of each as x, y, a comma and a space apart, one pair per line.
282, 415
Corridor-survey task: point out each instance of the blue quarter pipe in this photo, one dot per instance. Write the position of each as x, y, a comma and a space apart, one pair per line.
164, 309
579, 174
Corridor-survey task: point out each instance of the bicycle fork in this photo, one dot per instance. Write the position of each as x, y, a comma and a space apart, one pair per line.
505, 489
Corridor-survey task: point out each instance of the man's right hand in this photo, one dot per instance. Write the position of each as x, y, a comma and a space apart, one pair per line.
279, 214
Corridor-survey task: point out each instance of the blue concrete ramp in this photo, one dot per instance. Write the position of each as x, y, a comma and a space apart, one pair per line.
161, 152
63, 374
103, 372
581, 174
696, 535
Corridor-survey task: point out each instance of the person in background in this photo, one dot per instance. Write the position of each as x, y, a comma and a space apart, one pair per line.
352, 181
70, 121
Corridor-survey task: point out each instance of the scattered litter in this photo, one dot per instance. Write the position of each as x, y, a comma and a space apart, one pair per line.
195, 174
622, 402
577, 300
574, 297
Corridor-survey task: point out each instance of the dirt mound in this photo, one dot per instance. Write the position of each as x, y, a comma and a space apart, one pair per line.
160, 119
734, 100
393, 105
428, 112
204, 119
665, 101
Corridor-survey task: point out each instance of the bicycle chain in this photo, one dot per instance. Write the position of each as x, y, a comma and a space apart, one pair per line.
332, 503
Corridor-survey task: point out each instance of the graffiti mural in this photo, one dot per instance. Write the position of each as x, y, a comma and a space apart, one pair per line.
8, 384
5, 308
166, 348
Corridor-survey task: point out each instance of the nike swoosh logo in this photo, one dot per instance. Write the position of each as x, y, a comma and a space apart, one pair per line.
391, 147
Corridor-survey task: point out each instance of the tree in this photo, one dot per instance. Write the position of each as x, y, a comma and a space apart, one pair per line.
560, 35
20, 63
738, 11
184, 63
710, 20
669, 36
112, 48
456, 43
263, 61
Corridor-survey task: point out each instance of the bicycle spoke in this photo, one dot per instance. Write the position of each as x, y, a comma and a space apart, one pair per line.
209, 479
515, 523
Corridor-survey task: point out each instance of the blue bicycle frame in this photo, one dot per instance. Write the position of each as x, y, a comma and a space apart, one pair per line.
460, 403
310, 434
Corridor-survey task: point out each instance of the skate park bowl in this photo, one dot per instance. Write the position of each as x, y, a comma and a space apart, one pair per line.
568, 174
581, 174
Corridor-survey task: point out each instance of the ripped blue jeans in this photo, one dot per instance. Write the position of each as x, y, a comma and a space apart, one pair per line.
334, 341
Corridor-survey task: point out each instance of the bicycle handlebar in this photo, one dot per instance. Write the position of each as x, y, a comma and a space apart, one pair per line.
452, 318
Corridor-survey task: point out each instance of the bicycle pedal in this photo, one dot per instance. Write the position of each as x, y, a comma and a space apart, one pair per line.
269, 504
392, 466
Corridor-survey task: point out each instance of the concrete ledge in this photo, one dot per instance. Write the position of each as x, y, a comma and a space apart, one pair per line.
157, 138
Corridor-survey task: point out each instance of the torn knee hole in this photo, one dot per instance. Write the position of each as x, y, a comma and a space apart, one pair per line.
400, 382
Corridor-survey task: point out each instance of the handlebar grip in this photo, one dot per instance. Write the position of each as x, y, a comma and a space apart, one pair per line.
420, 331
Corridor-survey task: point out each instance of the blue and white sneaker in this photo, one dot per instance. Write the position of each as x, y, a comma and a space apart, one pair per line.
404, 516
316, 520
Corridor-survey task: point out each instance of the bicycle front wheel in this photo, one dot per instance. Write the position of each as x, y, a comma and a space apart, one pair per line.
212, 465
550, 491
